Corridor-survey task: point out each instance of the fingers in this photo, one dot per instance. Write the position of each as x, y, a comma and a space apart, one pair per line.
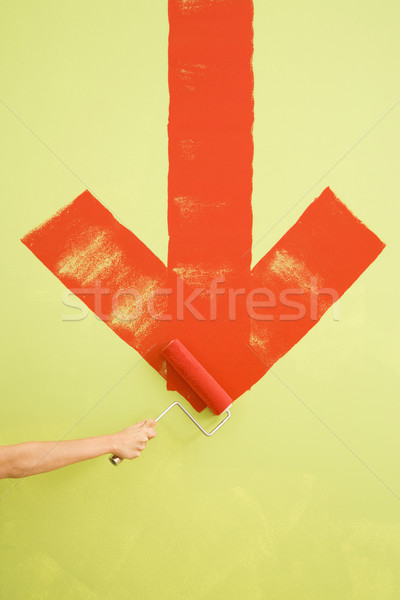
150, 428
141, 443
149, 423
140, 434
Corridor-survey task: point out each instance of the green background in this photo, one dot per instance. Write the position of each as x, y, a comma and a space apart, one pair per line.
297, 497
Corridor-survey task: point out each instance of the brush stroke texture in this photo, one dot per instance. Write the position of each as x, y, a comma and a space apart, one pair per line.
84, 244
210, 222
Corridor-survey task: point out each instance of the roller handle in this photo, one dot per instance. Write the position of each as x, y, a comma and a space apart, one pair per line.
116, 460
200, 380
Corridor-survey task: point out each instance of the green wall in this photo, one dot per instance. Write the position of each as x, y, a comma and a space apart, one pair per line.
297, 497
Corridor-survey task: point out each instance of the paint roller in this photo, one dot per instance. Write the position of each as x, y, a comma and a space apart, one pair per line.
200, 380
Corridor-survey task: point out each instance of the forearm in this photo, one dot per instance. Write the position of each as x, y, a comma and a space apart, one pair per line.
31, 458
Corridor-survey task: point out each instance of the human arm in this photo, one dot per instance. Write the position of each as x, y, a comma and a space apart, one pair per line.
32, 458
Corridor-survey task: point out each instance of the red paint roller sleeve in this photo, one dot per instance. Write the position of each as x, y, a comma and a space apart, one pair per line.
199, 379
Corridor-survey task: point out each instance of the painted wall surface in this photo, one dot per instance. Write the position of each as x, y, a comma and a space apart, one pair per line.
298, 495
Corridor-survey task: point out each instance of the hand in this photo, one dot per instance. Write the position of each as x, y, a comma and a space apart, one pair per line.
130, 442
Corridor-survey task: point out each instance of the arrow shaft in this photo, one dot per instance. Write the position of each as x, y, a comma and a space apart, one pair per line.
210, 139
210, 149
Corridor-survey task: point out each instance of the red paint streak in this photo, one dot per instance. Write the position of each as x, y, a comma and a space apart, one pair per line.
210, 174
328, 246
210, 222
83, 244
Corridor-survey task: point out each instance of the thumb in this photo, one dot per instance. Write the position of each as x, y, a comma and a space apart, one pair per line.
141, 423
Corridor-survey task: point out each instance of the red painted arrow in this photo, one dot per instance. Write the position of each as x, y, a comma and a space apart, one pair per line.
210, 222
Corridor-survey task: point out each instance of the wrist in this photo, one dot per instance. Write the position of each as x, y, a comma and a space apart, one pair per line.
108, 444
